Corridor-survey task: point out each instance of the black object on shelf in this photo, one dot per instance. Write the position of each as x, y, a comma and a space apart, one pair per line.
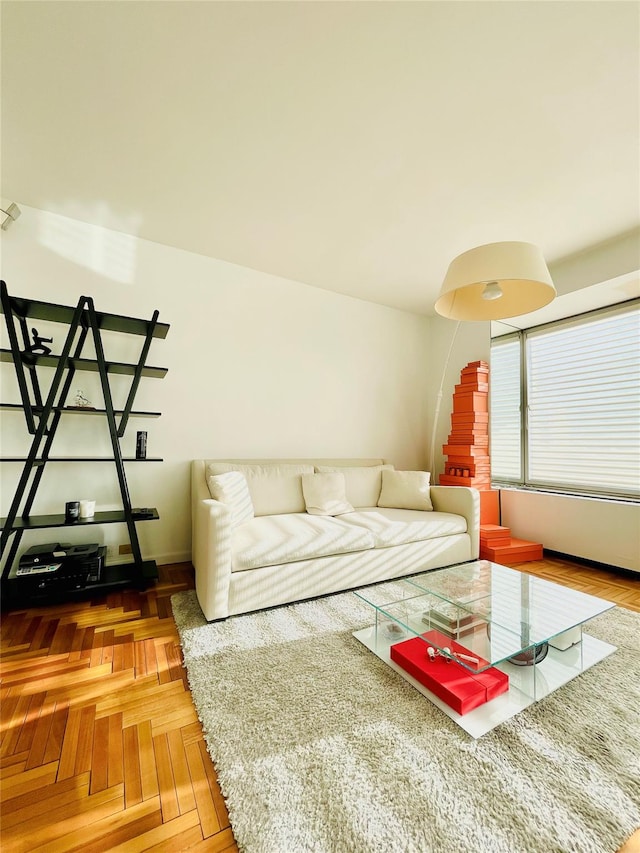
71, 511
43, 413
141, 445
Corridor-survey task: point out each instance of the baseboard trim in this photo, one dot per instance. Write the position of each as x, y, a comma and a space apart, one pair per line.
175, 557
593, 564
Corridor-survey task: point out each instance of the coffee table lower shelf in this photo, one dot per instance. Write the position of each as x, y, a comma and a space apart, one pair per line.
525, 686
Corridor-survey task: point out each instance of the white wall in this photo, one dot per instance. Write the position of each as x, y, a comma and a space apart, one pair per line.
258, 367
604, 531
605, 261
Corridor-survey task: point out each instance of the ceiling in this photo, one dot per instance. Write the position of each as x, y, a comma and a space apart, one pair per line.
353, 146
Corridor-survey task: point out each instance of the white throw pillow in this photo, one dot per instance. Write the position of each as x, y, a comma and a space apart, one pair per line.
406, 490
324, 494
232, 489
363, 484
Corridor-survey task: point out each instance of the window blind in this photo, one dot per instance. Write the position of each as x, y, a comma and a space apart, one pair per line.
581, 403
506, 410
583, 394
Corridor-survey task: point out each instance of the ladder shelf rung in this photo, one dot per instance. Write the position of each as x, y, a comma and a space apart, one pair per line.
38, 522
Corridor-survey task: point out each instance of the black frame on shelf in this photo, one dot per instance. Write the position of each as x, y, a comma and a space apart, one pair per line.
43, 416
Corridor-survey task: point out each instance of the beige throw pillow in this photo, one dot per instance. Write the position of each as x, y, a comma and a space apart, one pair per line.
363, 484
232, 489
324, 494
406, 490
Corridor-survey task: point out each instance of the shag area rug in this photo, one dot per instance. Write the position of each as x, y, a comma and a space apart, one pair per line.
319, 746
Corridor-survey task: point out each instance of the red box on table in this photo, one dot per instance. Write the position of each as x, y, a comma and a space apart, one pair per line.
461, 689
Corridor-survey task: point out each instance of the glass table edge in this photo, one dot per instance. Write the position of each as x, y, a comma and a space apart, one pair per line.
421, 592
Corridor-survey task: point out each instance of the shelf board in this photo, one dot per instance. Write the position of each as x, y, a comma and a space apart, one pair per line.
118, 576
37, 522
34, 309
79, 459
90, 364
77, 410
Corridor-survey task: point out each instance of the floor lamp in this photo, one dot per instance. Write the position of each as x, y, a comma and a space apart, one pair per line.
491, 282
494, 282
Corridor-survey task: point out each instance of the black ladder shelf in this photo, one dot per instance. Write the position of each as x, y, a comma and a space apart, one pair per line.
43, 412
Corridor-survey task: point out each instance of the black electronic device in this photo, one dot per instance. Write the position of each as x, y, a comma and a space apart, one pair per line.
55, 567
55, 551
142, 512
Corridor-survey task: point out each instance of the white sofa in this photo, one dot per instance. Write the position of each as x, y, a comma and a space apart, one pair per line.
268, 549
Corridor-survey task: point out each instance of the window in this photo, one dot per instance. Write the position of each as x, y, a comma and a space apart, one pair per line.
506, 409
565, 405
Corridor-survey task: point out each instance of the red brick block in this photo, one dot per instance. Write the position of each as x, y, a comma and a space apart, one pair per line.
464, 450
474, 374
518, 551
474, 482
474, 401
468, 470
462, 461
461, 689
476, 385
494, 536
490, 507
458, 418
466, 436
478, 440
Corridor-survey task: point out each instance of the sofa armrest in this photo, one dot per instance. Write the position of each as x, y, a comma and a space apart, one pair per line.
461, 501
212, 556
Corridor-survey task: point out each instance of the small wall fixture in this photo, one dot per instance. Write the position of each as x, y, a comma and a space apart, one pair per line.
496, 281
9, 215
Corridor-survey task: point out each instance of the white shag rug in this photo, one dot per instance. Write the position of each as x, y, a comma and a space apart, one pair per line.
320, 747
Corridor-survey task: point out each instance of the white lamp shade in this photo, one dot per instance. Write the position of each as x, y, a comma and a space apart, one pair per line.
518, 268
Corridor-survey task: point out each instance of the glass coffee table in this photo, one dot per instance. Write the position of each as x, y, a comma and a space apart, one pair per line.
477, 618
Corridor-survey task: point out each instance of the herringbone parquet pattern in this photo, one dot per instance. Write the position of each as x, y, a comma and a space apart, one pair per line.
100, 746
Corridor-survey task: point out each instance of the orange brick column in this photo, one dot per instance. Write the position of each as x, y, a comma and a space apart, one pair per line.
469, 464
467, 450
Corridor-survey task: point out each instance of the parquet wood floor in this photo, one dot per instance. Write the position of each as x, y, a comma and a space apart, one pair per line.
100, 745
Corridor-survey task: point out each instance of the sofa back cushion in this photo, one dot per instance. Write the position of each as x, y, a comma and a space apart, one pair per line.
406, 490
274, 489
232, 489
325, 494
363, 485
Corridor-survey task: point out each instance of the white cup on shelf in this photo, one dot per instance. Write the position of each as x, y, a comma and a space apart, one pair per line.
87, 509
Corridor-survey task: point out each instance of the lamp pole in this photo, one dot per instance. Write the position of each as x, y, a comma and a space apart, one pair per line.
436, 413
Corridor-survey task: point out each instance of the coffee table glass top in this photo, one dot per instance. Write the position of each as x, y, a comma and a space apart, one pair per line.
489, 612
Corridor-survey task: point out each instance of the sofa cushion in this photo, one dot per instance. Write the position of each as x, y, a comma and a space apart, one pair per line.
274, 489
324, 494
399, 526
406, 490
363, 484
231, 489
275, 539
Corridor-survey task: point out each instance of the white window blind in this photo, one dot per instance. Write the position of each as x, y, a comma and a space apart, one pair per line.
506, 410
583, 399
